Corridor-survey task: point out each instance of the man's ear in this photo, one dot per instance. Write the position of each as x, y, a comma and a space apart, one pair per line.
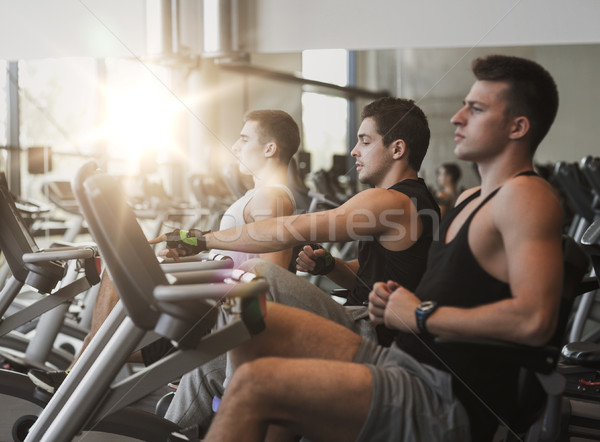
520, 128
270, 149
398, 149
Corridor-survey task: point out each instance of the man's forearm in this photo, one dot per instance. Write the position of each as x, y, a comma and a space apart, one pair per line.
500, 320
249, 241
344, 273
269, 235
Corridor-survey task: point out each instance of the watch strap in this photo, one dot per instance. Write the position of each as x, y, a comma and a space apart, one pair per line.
423, 311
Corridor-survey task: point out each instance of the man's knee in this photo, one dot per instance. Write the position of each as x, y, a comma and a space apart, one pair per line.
267, 270
257, 266
252, 381
245, 384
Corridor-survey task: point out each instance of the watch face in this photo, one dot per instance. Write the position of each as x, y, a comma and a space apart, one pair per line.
427, 305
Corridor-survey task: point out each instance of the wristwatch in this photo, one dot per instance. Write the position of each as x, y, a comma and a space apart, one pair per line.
425, 310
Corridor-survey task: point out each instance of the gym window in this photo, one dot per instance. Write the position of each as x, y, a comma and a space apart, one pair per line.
325, 116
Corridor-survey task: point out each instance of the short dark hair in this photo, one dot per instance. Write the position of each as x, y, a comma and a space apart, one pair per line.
278, 126
531, 91
399, 118
453, 170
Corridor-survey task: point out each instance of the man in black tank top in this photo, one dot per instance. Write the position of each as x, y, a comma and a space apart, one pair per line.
495, 272
394, 220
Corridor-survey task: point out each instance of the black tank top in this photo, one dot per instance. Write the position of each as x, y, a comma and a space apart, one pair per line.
455, 278
376, 263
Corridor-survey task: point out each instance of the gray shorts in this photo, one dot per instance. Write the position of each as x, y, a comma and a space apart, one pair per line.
411, 401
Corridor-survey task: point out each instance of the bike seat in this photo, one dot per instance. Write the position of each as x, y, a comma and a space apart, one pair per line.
582, 353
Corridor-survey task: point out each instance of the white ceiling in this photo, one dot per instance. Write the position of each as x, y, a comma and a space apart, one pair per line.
98, 28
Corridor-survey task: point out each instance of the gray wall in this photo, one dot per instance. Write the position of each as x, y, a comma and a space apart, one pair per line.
439, 79
293, 25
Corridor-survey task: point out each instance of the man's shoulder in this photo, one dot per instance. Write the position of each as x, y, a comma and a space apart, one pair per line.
270, 198
527, 188
379, 196
271, 192
530, 200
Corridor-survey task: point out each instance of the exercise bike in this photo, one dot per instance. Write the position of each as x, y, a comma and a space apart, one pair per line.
152, 302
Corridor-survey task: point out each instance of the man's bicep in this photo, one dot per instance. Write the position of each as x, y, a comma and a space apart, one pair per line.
371, 213
535, 263
531, 231
534, 259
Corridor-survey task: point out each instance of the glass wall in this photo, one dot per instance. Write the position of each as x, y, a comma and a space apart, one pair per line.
325, 117
118, 111
58, 103
3, 115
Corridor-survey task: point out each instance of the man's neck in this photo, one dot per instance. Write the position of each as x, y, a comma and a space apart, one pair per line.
271, 175
496, 172
391, 179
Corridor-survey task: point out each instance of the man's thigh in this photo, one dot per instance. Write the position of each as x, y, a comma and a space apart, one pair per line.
286, 288
410, 401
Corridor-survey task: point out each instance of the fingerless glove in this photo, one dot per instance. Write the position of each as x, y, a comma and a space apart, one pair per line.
190, 241
325, 263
